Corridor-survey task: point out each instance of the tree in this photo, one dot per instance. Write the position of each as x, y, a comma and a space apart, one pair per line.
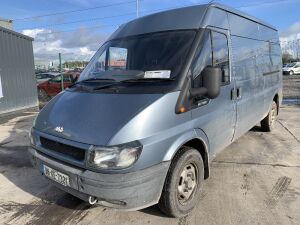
74, 64
287, 58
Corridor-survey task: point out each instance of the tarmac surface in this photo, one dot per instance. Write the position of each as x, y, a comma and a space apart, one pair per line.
256, 180
291, 86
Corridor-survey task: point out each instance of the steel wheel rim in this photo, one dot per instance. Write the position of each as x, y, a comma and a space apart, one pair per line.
187, 183
273, 116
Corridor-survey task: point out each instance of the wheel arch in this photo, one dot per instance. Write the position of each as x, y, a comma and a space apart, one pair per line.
195, 139
199, 145
276, 99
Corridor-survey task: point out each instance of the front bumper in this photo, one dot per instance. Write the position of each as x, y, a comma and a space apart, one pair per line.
130, 191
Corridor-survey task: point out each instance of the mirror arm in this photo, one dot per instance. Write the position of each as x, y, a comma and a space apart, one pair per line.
197, 92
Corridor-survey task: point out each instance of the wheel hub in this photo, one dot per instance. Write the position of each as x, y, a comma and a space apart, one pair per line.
187, 183
273, 116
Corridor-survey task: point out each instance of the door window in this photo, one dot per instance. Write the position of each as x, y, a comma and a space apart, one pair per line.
220, 54
55, 79
203, 59
212, 51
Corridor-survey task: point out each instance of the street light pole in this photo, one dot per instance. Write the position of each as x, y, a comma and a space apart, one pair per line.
297, 49
60, 70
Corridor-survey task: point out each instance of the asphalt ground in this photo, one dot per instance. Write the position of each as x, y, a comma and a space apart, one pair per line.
291, 86
256, 180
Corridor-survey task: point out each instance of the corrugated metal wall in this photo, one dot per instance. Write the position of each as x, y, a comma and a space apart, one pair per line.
17, 72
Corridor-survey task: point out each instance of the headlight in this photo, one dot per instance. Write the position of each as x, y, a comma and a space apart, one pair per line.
34, 121
114, 157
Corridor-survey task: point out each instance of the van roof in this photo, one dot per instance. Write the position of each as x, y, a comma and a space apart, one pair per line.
190, 17
242, 14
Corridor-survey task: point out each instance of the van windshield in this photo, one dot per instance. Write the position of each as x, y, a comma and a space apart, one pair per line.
156, 56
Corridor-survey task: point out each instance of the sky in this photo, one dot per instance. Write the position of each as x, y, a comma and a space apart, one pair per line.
77, 28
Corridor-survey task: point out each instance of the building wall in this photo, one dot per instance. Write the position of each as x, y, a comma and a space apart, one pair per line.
8, 24
16, 72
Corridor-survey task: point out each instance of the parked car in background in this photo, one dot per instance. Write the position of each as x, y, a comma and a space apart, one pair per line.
42, 77
291, 68
73, 72
52, 87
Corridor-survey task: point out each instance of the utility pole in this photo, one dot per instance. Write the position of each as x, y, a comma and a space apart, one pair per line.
298, 49
137, 8
61, 74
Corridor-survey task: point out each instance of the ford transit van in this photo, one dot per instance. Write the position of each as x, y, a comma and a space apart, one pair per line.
159, 99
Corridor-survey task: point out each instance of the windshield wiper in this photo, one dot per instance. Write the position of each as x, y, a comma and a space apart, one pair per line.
105, 86
134, 80
147, 79
97, 78
93, 79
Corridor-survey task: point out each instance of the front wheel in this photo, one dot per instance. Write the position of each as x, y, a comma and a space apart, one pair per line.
183, 183
267, 124
291, 72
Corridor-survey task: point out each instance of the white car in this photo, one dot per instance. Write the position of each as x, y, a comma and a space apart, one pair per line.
291, 68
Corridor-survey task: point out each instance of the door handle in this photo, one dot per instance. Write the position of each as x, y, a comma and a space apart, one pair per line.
239, 93
236, 93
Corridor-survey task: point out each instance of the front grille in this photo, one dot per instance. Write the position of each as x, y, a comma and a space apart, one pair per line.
67, 150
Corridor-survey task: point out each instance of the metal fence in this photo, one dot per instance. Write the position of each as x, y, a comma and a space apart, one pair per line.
17, 75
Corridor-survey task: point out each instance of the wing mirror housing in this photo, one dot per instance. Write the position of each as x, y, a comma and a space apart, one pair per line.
212, 77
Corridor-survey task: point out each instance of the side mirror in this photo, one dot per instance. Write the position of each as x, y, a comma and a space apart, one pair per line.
212, 77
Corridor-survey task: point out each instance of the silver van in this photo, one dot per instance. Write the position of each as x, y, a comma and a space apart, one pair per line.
159, 99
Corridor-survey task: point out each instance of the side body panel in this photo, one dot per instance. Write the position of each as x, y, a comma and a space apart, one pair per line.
256, 68
160, 130
255, 60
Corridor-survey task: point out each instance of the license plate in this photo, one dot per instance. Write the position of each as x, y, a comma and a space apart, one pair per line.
56, 176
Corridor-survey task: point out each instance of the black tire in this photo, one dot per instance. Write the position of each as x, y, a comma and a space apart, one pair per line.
172, 202
267, 124
291, 72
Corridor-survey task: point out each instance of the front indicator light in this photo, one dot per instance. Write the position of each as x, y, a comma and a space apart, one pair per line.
32, 142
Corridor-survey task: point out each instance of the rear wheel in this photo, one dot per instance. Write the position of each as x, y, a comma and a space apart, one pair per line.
267, 124
183, 183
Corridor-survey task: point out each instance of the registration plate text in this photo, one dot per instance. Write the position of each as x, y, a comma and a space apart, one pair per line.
56, 176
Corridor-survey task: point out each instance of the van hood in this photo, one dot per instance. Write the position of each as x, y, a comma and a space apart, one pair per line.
91, 118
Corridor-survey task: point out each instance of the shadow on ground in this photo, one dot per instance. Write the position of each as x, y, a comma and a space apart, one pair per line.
49, 202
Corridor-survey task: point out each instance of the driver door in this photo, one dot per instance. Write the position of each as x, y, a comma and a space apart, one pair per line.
216, 117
